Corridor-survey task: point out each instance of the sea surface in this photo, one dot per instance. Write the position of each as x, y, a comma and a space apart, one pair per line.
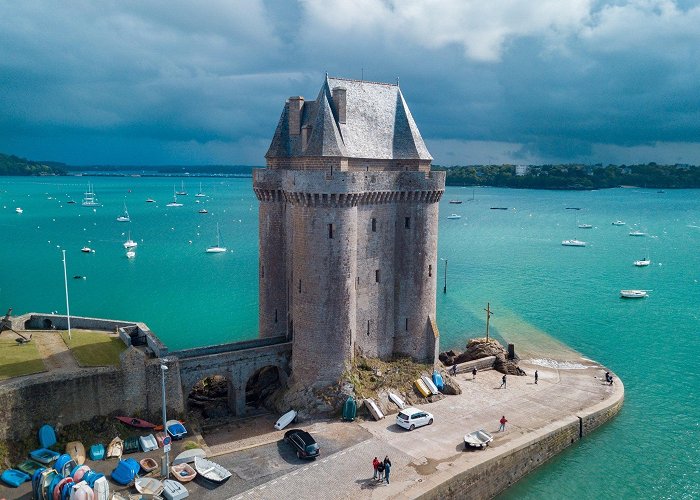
544, 296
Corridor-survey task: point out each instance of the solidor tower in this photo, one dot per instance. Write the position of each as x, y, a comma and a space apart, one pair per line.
348, 225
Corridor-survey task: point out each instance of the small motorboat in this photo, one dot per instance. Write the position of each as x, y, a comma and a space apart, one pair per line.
172, 490
642, 262
573, 243
585, 226
633, 294
456, 202
19, 210
148, 464
618, 223
203, 211
637, 233
211, 471
86, 249
188, 456
285, 420
148, 486
136, 422
454, 216
115, 448
183, 472
175, 429
477, 439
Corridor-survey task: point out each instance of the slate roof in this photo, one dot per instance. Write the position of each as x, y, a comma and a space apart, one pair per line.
378, 125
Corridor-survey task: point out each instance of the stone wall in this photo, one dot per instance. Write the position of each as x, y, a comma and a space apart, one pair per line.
64, 397
492, 475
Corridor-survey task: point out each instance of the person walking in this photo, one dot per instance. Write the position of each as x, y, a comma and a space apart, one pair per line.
536, 376
503, 424
453, 371
387, 470
386, 460
474, 373
503, 383
375, 464
380, 470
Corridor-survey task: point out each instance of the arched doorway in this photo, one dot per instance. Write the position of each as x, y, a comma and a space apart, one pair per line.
210, 398
48, 324
260, 386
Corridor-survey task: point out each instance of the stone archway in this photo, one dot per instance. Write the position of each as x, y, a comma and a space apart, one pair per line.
260, 386
47, 324
212, 398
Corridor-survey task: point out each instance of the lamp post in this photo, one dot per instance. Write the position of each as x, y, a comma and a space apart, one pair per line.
444, 288
65, 281
166, 446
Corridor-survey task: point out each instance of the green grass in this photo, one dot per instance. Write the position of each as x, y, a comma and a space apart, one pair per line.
17, 360
92, 348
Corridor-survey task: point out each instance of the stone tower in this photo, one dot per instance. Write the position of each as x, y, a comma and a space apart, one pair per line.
348, 230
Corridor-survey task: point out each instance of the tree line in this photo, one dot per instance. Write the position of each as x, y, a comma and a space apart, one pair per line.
14, 165
576, 176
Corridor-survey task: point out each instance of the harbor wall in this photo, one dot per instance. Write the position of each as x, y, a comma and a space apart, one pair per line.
63, 397
498, 471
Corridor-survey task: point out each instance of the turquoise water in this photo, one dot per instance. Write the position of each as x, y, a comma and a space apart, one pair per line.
541, 293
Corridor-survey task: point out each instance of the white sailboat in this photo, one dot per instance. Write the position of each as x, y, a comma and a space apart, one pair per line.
125, 216
573, 243
129, 243
644, 261
217, 248
182, 191
200, 194
89, 198
174, 203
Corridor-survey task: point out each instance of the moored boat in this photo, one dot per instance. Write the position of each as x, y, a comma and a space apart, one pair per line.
637, 233
148, 464
642, 262
618, 223
211, 471
454, 216
477, 439
633, 294
573, 243
183, 472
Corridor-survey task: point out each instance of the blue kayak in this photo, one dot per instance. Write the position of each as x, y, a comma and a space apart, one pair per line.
14, 478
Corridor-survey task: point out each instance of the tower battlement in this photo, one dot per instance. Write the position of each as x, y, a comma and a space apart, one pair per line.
348, 230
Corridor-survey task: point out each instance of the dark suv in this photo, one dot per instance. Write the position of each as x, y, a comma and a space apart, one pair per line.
305, 445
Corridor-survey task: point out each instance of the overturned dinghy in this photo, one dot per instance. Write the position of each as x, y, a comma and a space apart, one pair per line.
172, 490
148, 486
188, 456
396, 399
430, 385
115, 448
286, 419
374, 409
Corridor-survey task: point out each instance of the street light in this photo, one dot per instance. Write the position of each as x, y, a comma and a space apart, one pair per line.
444, 289
166, 445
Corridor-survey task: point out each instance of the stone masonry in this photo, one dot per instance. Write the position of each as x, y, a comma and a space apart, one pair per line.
348, 230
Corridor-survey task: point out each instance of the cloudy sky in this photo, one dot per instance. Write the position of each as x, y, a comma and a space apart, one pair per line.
488, 81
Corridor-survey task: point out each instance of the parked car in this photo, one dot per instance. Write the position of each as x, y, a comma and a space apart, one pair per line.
410, 418
304, 444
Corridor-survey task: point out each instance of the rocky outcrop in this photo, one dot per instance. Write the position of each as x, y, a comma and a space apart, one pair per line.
482, 348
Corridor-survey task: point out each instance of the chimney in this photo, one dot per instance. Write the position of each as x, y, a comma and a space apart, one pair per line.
294, 114
340, 104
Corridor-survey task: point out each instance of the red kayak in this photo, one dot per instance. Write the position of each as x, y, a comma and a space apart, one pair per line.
136, 422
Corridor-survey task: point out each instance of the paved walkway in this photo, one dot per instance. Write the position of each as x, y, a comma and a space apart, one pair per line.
54, 350
428, 455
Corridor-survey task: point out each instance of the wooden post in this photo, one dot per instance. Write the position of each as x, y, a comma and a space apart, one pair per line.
489, 312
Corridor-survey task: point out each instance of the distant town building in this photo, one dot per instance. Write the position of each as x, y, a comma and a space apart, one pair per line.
348, 226
521, 170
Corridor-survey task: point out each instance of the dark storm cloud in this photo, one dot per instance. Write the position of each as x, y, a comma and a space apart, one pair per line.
204, 82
